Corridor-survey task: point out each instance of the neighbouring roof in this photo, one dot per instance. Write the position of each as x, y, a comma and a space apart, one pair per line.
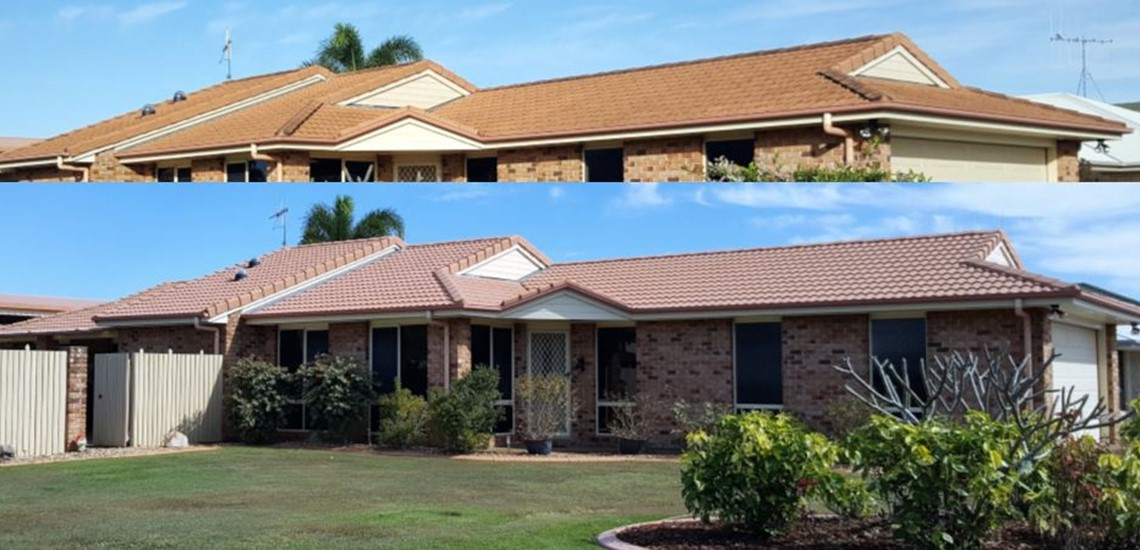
754, 87
1133, 106
1126, 340
1121, 154
9, 143
385, 276
39, 305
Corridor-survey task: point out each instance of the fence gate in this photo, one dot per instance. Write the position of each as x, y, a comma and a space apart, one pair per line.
33, 401
111, 410
145, 396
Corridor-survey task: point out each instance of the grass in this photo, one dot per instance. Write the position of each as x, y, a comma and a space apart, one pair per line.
286, 498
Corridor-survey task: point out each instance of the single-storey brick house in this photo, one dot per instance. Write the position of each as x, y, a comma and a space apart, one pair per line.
755, 329
805, 106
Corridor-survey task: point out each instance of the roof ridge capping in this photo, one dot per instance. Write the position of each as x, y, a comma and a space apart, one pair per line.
757, 53
908, 238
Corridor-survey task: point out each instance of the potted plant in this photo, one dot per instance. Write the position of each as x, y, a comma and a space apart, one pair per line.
630, 423
545, 410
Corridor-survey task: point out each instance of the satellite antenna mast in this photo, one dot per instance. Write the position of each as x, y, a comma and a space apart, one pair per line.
228, 55
1086, 74
281, 218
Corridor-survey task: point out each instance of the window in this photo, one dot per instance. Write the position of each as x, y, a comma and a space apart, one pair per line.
170, 174
900, 341
483, 170
325, 170
235, 172
417, 173
494, 347
258, 171
398, 353
413, 358
294, 348
740, 152
759, 364
617, 371
247, 171
359, 171
605, 165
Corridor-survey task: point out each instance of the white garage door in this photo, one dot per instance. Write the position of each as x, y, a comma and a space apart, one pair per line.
960, 161
1076, 366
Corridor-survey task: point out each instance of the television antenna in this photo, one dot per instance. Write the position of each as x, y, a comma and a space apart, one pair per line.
281, 219
1086, 74
228, 55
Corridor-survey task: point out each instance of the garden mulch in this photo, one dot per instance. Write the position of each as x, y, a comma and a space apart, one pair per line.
807, 534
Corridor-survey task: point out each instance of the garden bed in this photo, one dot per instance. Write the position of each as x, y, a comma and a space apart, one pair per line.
813, 533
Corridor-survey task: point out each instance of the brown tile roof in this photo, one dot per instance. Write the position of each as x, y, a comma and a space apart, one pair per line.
43, 304
220, 292
76, 321
10, 143
132, 124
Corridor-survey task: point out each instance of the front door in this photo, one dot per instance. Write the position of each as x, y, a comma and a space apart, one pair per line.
550, 354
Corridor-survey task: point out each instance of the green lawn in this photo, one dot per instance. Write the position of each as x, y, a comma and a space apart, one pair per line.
284, 498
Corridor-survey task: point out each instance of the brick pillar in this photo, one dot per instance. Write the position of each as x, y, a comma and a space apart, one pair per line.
349, 340
1112, 362
1068, 161
385, 168
459, 354
290, 166
454, 168
76, 393
208, 170
582, 385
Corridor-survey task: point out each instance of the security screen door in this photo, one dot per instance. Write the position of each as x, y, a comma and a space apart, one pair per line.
550, 354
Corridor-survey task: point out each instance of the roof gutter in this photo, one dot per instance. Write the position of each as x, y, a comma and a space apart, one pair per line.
86, 177
848, 140
267, 158
216, 330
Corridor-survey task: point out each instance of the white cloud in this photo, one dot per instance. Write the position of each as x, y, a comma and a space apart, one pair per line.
556, 192
476, 13
146, 12
642, 196
463, 194
791, 9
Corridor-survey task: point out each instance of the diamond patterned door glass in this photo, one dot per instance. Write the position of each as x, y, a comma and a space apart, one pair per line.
548, 355
415, 173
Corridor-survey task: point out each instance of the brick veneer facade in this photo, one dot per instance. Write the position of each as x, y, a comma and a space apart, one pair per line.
665, 160
453, 168
583, 373
290, 166
812, 347
76, 422
550, 164
47, 174
385, 168
1068, 161
350, 340
108, 168
208, 170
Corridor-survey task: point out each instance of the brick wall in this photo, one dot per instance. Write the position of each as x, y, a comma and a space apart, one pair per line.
108, 168
49, 174
385, 168
582, 385
181, 339
208, 170
1068, 162
1112, 379
786, 149
453, 168
546, 164
690, 360
665, 160
812, 346
459, 353
290, 166
76, 423
350, 340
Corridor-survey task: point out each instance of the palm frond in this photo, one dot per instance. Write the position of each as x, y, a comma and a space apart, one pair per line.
394, 51
379, 223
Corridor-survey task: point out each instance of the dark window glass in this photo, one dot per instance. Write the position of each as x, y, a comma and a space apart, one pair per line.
759, 364
165, 174
185, 174
324, 170
617, 363
605, 165
484, 169
291, 355
317, 344
235, 172
740, 152
899, 341
258, 171
503, 358
506, 423
413, 358
385, 358
480, 345
359, 171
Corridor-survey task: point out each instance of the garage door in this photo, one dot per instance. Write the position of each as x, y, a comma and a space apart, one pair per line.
1076, 366
961, 161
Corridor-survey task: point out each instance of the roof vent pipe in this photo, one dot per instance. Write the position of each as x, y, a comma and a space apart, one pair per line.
178, 97
241, 274
253, 262
848, 140
147, 110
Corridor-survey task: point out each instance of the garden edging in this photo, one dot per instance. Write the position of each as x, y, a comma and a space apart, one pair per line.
610, 540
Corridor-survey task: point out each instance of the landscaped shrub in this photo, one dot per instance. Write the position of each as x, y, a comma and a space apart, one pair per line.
254, 399
337, 392
945, 485
464, 418
844, 415
702, 416
756, 471
546, 405
1131, 429
403, 419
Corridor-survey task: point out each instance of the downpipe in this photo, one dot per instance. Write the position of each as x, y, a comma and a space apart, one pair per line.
848, 140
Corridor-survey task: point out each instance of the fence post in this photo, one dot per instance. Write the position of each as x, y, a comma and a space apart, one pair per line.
76, 422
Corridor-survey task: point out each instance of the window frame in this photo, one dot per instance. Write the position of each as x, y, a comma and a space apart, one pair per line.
304, 359
565, 332
508, 402
737, 406
412, 164
175, 168
246, 163
467, 168
708, 141
598, 402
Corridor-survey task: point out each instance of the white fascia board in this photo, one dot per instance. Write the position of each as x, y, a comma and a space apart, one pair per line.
27, 164
187, 155
515, 248
317, 318
128, 323
900, 50
977, 126
273, 298
1105, 314
649, 134
426, 72
204, 117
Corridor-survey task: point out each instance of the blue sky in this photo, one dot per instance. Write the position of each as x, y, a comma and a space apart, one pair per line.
107, 241
78, 62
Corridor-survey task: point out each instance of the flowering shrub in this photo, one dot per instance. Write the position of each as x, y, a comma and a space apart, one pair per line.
756, 471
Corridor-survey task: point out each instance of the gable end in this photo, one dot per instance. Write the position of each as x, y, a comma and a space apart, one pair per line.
900, 65
424, 90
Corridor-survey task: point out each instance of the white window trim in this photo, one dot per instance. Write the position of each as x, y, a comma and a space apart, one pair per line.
245, 163
569, 372
304, 354
619, 145
344, 176
736, 404
175, 167
599, 403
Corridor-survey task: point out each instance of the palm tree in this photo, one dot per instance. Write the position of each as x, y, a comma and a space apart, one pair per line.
325, 224
344, 51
